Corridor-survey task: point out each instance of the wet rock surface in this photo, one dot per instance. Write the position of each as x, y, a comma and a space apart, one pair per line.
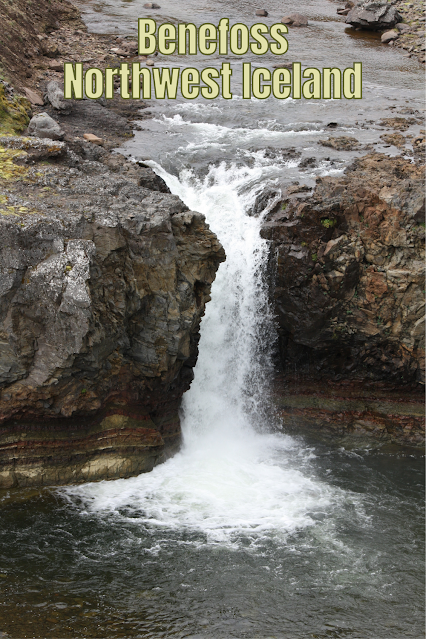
342, 143
354, 413
347, 273
105, 276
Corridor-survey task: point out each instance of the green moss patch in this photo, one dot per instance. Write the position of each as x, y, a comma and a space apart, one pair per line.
14, 114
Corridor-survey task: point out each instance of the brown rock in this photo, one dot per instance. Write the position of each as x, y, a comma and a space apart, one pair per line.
90, 137
394, 138
34, 97
55, 65
342, 143
375, 286
298, 20
389, 36
122, 52
261, 12
49, 49
375, 412
401, 124
287, 20
132, 46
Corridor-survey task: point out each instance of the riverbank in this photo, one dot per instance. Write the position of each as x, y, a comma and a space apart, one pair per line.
411, 36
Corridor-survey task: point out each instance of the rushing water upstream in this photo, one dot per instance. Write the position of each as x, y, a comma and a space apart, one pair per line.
246, 532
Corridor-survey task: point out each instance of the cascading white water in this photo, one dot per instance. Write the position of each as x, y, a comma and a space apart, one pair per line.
229, 390
231, 477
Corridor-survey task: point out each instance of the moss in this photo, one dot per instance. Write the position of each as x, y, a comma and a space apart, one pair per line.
8, 169
314, 257
328, 223
14, 114
284, 206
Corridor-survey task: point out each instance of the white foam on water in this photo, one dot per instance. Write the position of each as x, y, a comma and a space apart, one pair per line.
231, 478
210, 132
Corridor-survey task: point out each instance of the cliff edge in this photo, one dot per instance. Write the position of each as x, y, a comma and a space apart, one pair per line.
104, 280
347, 285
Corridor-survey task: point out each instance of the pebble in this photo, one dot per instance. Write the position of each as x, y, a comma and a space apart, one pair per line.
122, 52
261, 12
151, 5
150, 63
94, 139
55, 65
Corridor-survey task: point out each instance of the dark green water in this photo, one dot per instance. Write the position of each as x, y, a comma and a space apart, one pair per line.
67, 572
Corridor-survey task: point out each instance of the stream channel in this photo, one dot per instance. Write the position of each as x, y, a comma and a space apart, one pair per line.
247, 532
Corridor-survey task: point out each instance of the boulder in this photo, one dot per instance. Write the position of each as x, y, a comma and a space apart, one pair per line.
43, 126
403, 28
298, 20
389, 36
131, 46
373, 16
119, 51
55, 96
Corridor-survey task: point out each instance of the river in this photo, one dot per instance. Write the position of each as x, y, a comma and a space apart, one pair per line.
247, 532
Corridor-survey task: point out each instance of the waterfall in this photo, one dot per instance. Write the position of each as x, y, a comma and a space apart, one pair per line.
229, 395
233, 478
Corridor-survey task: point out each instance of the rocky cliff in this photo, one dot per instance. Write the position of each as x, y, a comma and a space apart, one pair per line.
347, 285
104, 280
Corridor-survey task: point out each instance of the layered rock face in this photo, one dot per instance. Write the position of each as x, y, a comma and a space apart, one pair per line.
347, 285
103, 285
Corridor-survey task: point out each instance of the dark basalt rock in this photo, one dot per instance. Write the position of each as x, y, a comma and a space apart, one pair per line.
373, 16
346, 274
104, 283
